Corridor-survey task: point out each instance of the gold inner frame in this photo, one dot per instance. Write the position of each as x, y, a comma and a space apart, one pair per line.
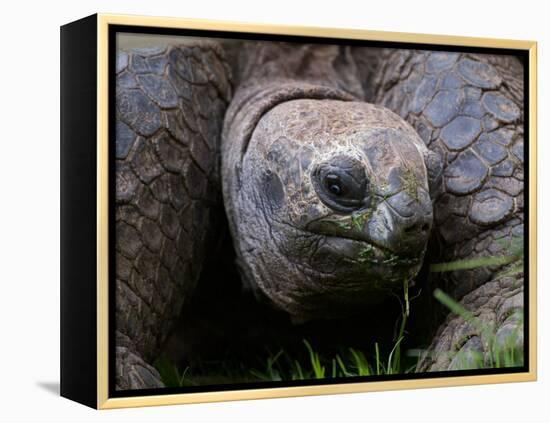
103, 400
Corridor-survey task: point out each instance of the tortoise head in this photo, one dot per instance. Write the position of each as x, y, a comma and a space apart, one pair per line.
334, 208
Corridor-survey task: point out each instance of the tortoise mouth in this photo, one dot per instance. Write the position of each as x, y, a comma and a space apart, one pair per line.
357, 246
360, 266
353, 242
360, 251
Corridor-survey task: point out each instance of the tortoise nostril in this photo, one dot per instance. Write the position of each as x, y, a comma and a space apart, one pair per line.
425, 227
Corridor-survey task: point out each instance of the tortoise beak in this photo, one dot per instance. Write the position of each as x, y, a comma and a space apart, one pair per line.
405, 236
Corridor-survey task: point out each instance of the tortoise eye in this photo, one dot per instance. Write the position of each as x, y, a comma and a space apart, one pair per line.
334, 185
341, 183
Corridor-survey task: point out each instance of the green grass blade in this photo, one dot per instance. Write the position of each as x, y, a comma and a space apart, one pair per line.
473, 263
342, 366
377, 351
318, 368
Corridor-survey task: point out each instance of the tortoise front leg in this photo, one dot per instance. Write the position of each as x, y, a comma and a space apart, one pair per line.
488, 334
134, 373
170, 103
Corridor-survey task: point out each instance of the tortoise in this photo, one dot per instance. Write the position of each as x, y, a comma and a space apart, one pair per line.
343, 173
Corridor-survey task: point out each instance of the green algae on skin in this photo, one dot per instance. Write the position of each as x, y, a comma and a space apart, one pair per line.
354, 221
410, 184
342, 224
366, 255
384, 191
394, 259
359, 220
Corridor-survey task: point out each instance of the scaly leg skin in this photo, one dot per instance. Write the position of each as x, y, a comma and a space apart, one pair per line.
493, 336
496, 303
468, 109
134, 373
170, 103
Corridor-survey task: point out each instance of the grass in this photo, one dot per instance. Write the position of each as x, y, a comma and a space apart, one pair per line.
472, 263
350, 362
170, 374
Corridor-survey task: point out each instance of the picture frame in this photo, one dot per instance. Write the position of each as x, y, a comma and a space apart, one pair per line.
91, 108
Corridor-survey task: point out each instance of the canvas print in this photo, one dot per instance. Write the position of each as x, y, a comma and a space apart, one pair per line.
293, 212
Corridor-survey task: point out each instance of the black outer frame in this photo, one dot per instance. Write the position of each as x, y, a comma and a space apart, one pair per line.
79, 211
79, 114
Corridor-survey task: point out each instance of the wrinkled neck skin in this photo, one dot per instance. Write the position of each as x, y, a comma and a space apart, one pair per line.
259, 63
297, 110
